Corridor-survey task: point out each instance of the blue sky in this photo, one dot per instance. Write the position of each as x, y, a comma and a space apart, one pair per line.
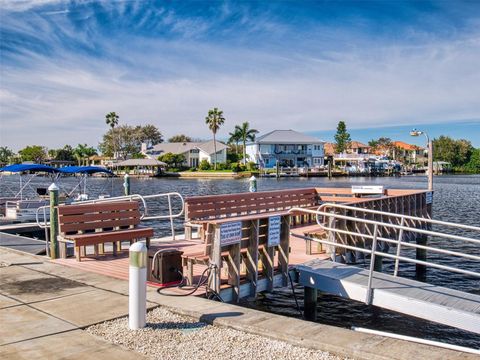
381, 66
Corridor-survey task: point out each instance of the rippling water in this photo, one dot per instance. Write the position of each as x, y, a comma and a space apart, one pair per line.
456, 199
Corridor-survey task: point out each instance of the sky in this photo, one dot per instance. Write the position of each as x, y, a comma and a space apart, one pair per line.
383, 67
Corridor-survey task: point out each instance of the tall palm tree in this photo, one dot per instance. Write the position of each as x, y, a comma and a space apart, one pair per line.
111, 119
214, 120
245, 134
234, 138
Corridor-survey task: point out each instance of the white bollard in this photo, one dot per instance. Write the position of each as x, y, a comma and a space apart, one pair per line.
137, 286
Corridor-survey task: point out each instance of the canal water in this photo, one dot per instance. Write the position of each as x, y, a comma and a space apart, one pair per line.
456, 199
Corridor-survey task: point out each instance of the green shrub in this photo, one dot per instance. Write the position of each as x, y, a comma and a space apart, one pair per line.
234, 166
251, 166
204, 165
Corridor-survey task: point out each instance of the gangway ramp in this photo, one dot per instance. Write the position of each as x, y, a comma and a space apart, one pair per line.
410, 297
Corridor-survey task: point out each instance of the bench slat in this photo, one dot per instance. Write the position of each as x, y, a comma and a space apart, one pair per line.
94, 225
261, 194
124, 214
109, 236
97, 207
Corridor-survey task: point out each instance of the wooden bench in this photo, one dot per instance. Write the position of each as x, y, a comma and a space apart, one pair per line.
205, 212
100, 223
200, 209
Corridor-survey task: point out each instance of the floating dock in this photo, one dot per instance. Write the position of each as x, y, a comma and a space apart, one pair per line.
410, 297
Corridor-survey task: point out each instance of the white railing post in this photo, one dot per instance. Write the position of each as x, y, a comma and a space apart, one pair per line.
47, 240
171, 217
368, 299
399, 245
137, 286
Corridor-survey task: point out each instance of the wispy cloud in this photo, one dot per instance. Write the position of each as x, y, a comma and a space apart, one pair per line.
67, 66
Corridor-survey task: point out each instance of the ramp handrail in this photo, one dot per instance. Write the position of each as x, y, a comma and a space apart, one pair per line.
142, 198
399, 241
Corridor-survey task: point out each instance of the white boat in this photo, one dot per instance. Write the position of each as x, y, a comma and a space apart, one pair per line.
22, 208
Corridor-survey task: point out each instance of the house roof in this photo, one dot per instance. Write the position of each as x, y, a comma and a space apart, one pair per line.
329, 148
209, 148
287, 137
99, 157
180, 148
141, 162
357, 145
405, 146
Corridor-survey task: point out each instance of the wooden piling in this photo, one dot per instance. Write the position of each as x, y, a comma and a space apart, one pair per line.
310, 303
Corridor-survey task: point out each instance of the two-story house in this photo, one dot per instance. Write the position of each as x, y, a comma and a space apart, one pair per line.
288, 147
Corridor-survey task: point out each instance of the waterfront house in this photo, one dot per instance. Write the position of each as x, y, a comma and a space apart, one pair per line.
194, 152
357, 156
407, 153
288, 147
356, 147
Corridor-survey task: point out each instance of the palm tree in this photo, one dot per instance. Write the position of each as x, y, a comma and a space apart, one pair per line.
234, 138
245, 134
82, 152
214, 120
111, 119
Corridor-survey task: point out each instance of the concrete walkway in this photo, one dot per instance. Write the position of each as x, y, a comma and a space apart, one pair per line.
43, 309
44, 305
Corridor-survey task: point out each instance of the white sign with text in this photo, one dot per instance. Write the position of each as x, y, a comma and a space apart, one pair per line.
230, 233
274, 226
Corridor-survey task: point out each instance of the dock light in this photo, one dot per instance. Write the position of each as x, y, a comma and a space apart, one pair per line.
416, 132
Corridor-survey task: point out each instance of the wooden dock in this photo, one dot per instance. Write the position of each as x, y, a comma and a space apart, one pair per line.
117, 266
426, 301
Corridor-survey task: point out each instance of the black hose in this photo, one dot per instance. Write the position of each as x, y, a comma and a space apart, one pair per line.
192, 289
294, 295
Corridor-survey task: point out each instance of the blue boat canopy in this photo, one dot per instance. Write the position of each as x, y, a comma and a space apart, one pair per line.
84, 170
50, 169
30, 167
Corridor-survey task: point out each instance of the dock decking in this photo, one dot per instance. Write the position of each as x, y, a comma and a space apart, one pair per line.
426, 301
117, 267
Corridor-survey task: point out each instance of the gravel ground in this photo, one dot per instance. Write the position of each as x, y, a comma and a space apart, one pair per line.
171, 336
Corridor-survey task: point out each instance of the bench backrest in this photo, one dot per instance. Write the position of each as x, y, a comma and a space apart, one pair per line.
95, 217
230, 205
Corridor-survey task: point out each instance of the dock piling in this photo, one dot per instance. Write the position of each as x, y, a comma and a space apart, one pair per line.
330, 168
126, 184
310, 303
53, 190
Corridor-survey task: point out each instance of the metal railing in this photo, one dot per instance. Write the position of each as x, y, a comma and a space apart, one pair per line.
135, 197
399, 241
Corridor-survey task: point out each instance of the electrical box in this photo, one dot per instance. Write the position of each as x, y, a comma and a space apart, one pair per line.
166, 267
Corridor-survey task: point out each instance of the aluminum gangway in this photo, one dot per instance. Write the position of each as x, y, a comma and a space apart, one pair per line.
427, 301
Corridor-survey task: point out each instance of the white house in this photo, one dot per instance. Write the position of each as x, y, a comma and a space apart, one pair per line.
194, 152
288, 147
